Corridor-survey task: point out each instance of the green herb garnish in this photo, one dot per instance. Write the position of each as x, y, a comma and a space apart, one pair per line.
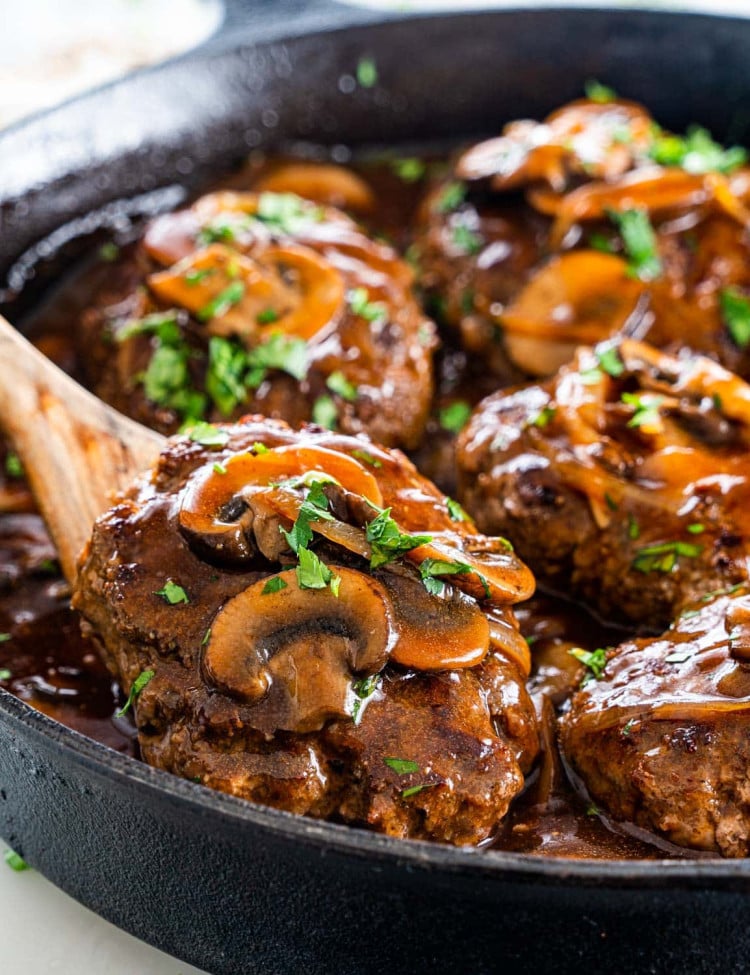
735, 312
466, 240
455, 511
367, 72
360, 304
172, 593
339, 384
313, 573
363, 455
364, 691
401, 766
13, 465
194, 277
218, 306
597, 92
14, 861
610, 361
387, 541
267, 316
696, 152
594, 660
5, 674
325, 412
450, 197
285, 213
225, 374
639, 241
663, 557
431, 571
138, 685
455, 416
108, 252
274, 584
646, 409
207, 435
410, 170
543, 417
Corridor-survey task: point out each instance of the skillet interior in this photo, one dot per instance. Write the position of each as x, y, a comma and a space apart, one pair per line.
202, 875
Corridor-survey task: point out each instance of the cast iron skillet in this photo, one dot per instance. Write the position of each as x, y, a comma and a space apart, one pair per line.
236, 888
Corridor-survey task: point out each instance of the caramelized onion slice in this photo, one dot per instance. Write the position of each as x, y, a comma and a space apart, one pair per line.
213, 503
577, 298
445, 632
291, 653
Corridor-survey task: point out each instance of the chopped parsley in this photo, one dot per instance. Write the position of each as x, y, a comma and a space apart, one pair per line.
193, 277
363, 455
222, 229
206, 637
387, 541
278, 352
360, 304
313, 573
628, 727
108, 252
313, 508
325, 412
274, 584
680, 656
364, 691
219, 305
727, 591
339, 384
466, 240
219, 468
5, 674
285, 213
367, 72
172, 593
455, 511
663, 557
267, 316
450, 197
414, 789
696, 528
599, 242
594, 660
14, 861
645, 410
455, 416
634, 530
4, 637
138, 685
401, 766
207, 435
410, 170
611, 503
259, 448
431, 570
639, 240
163, 325
13, 465
543, 417
597, 92
610, 361
735, 312
225, 374
696, 152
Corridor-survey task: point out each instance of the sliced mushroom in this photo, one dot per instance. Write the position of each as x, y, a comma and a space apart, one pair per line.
292, 653
324, 183
576, 299
217, 509
444, 632
291, 289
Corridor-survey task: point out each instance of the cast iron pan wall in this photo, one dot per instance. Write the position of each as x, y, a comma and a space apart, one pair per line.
223, 884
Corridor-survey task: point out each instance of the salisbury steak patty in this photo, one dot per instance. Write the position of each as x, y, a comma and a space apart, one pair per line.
263, 302
623, 479
304, 621
662, 739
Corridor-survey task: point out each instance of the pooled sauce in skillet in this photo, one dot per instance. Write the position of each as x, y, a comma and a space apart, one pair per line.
45, 661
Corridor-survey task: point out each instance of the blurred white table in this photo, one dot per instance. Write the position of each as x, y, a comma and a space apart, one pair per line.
42, 931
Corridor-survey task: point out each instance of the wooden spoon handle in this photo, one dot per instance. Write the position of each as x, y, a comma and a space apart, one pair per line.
76, 450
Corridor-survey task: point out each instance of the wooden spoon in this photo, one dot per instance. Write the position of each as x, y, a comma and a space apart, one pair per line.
76, 450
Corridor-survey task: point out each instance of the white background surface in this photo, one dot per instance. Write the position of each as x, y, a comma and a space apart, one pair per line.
52, 48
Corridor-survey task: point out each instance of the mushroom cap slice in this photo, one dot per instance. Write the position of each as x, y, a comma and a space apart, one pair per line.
214, 510
576, 299
291, 654
324, 183
443, 632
